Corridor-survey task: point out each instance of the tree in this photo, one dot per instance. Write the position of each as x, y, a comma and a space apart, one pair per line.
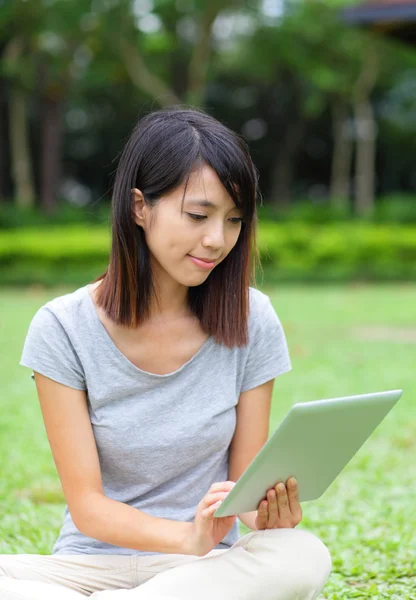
14, 69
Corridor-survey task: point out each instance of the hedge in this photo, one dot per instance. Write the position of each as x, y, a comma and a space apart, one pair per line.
75, 254
343, 251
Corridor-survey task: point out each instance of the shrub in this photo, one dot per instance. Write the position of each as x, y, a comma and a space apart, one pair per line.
291, 251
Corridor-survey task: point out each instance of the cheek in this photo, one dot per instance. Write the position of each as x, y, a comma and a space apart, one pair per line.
175, 246
230, 243
234, 238
166, 238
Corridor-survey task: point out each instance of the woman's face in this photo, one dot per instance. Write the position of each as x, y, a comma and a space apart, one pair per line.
207, 232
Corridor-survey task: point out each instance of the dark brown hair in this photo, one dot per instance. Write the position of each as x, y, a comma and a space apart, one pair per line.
165, 147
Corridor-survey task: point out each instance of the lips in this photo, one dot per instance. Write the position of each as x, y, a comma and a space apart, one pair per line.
206, 260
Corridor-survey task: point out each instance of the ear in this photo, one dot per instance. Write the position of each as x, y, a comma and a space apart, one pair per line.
138, 207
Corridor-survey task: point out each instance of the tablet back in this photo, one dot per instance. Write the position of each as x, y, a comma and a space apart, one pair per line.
313, 443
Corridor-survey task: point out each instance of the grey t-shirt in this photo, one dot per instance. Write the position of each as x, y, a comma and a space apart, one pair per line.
162, 440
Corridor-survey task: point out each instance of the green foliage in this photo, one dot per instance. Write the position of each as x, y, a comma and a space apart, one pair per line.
349, 251
400, 208
306, 212
397, 208
291, 251
54, 254
12, 217
394, 208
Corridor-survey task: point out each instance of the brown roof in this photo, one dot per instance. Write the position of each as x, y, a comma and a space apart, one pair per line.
393, 17
392, 2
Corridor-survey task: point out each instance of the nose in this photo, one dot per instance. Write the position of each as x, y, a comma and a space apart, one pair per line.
214, 238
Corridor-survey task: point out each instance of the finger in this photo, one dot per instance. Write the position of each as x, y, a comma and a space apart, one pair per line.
208, 513
210, 510
283, 503
221, 486
273, 517
293, 495
210, 499
262, 514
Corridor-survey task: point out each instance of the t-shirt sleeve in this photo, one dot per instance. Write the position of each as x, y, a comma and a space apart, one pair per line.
48, 350
268, 354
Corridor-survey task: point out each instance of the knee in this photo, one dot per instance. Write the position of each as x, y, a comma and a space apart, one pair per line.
313, 562
303, 559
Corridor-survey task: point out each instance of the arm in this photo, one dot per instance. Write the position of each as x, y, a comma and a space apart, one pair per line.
251, 433
117, 523
70, 435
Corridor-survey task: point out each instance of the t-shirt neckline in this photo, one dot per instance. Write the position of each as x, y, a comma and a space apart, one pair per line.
111, 345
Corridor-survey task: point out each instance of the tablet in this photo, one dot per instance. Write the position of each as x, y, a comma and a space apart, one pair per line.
314, 442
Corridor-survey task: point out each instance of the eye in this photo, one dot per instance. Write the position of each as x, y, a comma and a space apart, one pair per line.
196, 217
234, 220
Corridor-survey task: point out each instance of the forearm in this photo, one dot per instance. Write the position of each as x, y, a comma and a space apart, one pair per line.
122, 525
249, 519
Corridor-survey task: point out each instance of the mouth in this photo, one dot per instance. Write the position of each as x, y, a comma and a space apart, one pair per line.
207, 260
202, 262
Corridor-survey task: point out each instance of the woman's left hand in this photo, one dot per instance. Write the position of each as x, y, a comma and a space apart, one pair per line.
282, 507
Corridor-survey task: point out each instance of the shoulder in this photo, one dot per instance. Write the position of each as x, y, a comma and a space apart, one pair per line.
268, 354
52, 341
64, 310
263, 321
260, 305
257, 298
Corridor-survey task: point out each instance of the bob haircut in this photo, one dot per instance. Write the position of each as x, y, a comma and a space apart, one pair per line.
165, 147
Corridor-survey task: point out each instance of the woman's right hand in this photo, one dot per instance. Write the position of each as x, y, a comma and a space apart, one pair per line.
207, 531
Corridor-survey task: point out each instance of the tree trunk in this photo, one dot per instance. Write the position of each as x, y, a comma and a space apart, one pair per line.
341, 156
198, 66
143, 78
364, 158
20, 153
282, 174
365, 135
51, 153
289, 146
21, 165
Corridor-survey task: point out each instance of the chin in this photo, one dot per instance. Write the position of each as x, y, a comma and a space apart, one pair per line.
198, 279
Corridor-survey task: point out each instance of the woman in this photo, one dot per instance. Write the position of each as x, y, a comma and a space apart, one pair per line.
155, 383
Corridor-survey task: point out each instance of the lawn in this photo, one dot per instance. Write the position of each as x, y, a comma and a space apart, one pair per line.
344, 340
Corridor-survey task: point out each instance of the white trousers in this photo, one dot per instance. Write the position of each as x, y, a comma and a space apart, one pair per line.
271, 564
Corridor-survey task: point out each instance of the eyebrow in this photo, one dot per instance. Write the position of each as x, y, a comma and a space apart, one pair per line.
207, 203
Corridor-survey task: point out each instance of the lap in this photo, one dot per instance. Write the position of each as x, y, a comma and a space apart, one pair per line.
270, 558
82, 573
86, 574
271, 564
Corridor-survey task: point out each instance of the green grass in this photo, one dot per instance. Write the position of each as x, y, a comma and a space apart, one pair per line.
344, 339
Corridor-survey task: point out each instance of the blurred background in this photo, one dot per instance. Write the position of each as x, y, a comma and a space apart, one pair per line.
324, 92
